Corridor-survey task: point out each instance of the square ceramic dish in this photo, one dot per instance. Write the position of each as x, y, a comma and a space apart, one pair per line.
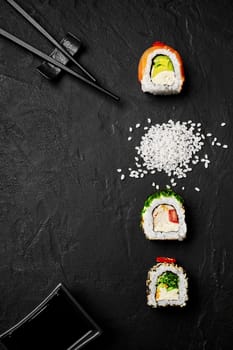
59, 322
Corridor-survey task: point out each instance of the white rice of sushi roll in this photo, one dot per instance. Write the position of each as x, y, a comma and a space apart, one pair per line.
180, 297
162, 198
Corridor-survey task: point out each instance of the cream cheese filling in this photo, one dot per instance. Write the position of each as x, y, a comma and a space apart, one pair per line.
164, 78
163, 294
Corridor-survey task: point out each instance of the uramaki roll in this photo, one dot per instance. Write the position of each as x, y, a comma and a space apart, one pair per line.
160, 70
163, 216
167, 284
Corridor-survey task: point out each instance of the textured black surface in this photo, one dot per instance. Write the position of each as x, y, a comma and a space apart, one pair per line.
66, 216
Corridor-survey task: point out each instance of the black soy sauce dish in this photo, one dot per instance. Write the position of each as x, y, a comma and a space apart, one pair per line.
59, 322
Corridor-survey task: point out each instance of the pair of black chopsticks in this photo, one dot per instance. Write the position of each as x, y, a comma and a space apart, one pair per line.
46, 57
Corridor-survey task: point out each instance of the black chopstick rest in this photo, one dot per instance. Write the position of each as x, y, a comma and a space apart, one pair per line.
72, 44
51, 60
49, 37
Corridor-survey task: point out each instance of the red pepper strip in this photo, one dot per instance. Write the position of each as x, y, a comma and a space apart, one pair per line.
158, 43
172, 214
161, 259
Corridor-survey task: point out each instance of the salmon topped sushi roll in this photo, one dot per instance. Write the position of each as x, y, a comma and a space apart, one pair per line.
167, 284
160, 70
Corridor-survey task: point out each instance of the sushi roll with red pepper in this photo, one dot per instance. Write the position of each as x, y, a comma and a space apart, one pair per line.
163, 216
160, 70
167, 284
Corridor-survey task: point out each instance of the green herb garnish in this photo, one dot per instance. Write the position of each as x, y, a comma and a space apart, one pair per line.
168, 279
164, 193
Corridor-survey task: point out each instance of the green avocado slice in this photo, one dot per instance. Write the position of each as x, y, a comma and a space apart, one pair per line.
160, 64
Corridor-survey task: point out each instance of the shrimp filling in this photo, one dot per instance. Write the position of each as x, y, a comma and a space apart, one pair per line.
165, 219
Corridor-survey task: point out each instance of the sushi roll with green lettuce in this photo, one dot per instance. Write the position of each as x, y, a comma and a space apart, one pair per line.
163, 216
167, 284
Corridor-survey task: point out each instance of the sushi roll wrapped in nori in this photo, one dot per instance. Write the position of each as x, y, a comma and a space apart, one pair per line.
163, 216
160, 70
167, 284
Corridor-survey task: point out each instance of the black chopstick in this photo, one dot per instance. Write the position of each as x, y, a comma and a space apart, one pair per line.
48, 36
49, 59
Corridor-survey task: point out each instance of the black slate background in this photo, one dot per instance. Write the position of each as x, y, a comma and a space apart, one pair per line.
66, 216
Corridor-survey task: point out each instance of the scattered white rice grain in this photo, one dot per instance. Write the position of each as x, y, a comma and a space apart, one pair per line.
206, 165
130, 129
197, 189
182, 188
119, 170
223, 124
141, 175
209, 134
129, 138
225, 146
157, 187
133, 173
153, 184
173, 184
145, 128
122, 177
148, 120
138, 125
168, 187
218, 144
198, 124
